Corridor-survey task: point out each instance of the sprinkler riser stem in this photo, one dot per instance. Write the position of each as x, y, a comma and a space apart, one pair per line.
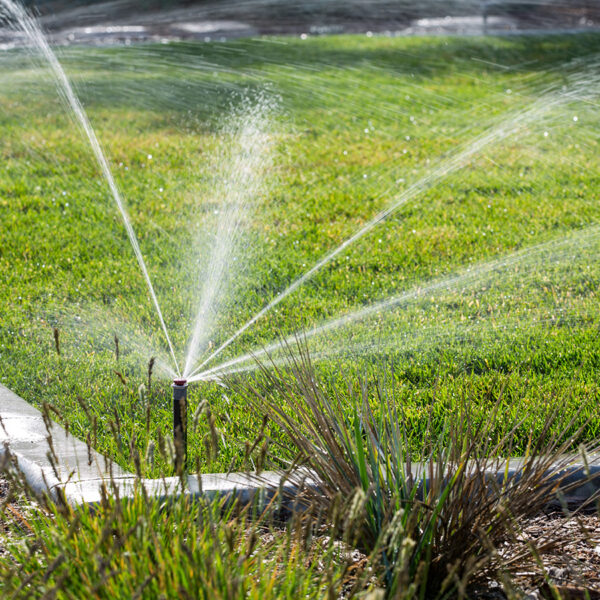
180, 425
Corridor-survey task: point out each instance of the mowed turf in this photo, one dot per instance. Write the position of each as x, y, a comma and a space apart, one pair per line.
354, 123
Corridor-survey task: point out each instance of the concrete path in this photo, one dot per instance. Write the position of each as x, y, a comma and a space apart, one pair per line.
121, 22
56, 463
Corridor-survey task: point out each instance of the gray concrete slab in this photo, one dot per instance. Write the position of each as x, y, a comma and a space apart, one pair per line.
26, 435
13, 405
91, 491
70, 469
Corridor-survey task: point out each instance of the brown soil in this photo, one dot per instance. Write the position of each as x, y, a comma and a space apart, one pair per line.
13, 518
572, 564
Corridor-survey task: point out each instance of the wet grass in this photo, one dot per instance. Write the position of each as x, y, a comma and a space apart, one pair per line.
359, 120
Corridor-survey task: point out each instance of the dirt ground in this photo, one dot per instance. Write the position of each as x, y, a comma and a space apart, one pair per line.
572, 563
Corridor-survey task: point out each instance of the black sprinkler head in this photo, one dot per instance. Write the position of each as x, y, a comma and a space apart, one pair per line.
180, 423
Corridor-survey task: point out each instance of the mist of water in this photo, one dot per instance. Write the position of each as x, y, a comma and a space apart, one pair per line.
101, 328
241, 176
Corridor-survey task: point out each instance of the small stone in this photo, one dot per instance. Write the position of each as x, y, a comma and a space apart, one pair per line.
557, 573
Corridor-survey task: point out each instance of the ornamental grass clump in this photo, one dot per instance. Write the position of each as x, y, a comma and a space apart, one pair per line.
147, 548
432, 524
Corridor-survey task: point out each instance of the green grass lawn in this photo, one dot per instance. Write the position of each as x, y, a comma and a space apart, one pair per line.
356, 122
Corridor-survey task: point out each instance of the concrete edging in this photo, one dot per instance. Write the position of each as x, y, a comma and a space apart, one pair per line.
66, 467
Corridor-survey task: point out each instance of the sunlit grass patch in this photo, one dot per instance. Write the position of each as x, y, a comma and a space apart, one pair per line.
359, 121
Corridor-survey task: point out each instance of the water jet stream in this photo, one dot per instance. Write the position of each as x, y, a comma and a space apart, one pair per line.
407, 342
508, 126
241, 176
34, 33
556, 248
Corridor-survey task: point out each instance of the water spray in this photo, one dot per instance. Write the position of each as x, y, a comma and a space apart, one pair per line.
32, 29
180, 388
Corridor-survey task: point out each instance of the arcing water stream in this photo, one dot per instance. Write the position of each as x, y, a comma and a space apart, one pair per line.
33, 31
242, 182
489, 282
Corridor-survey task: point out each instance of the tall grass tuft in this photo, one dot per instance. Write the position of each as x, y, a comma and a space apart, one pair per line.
148, 548
432, 524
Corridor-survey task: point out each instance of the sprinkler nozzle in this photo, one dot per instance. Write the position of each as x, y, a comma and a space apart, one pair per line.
180, 423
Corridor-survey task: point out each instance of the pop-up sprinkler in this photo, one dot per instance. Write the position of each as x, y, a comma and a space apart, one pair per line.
180, 387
